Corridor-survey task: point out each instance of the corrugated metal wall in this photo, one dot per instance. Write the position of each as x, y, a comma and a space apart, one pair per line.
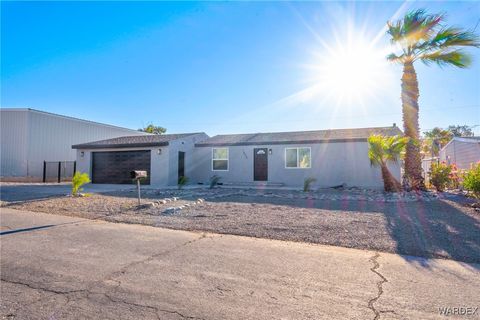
13, 137
47, 137
463, 154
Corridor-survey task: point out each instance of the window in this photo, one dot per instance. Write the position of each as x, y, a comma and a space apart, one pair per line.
297, 157
220, 159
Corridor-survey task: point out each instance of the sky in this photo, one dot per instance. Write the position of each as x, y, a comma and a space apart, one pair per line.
227, 67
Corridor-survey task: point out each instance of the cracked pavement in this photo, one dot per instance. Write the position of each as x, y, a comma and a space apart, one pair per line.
85, 269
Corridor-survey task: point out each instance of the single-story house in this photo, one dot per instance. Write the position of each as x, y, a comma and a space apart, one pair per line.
462, 151
165, 157
31, 139
332, 157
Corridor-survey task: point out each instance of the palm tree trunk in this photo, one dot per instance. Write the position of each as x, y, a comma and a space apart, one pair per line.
413, 160
390, 184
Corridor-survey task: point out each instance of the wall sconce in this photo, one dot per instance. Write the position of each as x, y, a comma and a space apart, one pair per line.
82, 154
269, 151
159, 151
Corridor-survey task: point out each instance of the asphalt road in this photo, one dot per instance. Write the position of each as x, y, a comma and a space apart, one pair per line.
56, 267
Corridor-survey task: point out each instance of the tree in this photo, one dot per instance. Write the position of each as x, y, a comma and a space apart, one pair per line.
424, 37
153, 129
382, 150
460, 131
435, 139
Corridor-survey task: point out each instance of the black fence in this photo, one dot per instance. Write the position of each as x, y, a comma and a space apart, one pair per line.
58, 171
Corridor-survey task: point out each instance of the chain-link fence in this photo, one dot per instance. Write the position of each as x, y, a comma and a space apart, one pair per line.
58, 171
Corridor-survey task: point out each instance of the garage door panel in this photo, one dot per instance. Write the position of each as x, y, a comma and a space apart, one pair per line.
115, 166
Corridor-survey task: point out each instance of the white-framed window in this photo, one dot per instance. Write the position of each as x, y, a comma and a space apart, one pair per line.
298, 158
219, 159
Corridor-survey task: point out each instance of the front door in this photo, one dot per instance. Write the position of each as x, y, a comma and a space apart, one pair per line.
260, 164
181, 164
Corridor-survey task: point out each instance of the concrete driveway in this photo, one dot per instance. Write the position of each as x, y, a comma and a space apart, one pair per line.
56, 267
11, 191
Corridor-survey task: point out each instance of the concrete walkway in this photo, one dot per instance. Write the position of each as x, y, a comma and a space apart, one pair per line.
56, 267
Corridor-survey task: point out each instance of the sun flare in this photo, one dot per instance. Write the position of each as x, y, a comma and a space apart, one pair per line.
352, 72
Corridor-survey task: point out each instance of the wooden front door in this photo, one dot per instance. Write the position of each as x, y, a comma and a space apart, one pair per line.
260, 164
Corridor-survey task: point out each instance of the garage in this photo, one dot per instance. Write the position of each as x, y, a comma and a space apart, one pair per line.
114, 166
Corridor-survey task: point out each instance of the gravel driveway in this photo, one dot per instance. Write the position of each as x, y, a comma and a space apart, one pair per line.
445, 228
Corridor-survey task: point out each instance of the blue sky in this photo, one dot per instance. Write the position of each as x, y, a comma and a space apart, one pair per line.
223, 67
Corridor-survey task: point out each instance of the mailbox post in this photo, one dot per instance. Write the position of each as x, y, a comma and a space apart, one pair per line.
137, 175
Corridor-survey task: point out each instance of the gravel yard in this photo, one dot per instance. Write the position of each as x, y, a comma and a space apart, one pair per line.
420, 225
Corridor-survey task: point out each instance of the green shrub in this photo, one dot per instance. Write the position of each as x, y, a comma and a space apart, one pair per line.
307, 184
471, 180
182, 181
214, 181
78, 180
440, 174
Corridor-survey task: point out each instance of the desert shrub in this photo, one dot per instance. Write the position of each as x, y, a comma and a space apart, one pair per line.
182, 181
454, 177
214, 181
307, 183
78, 180
440, 175
471, 180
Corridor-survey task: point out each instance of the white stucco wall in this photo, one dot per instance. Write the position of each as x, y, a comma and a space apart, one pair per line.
331, 164
164, 166
159, 163
29, 137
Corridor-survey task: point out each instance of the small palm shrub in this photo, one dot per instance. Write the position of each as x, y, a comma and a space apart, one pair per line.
381, 151
440, 174
471, 180
182, 181
307, 183
214, 181
78, 180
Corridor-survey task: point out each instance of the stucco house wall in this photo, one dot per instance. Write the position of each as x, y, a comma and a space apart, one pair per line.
159, 162
332, 164
163, 159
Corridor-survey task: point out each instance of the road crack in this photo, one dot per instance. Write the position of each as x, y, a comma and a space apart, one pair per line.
371, 302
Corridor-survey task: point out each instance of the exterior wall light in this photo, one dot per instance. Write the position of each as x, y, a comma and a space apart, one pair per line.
82, 154
159, 151
269, 151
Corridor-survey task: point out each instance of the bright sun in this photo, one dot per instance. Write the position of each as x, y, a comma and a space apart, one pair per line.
351, 72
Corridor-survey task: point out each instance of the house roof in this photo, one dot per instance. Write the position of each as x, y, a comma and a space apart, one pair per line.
462, 139
133, 141
298, 137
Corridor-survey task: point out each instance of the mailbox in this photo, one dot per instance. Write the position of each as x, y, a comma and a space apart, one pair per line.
137, 174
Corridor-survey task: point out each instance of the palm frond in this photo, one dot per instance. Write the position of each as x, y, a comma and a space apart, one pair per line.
392, 57
457, 58
452, 37
382, 149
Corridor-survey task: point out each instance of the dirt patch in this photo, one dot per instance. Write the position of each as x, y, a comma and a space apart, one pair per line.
444, 228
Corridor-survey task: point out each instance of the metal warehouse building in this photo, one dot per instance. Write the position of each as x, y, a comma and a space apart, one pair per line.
30, 137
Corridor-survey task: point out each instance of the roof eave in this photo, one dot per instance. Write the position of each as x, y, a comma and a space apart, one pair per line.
120, 145
279, 142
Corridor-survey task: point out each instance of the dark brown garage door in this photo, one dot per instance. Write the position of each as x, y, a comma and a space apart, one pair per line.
115, 166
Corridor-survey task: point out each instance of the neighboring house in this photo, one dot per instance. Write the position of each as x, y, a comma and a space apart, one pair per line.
29, 137
165, 157
462, 151
333, 157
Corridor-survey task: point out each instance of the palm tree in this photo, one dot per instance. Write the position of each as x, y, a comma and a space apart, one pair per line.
424, 37
382, 150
